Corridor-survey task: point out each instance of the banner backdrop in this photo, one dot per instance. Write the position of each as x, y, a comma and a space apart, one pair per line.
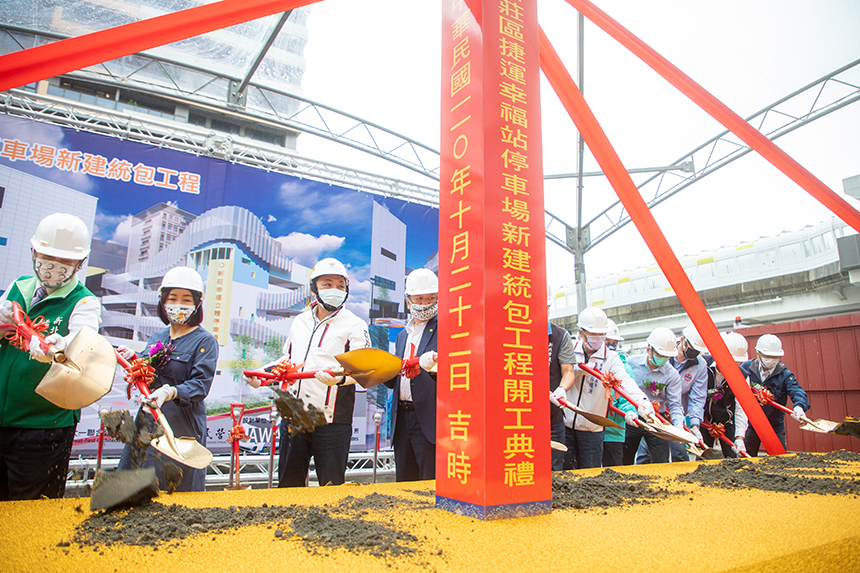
253, 235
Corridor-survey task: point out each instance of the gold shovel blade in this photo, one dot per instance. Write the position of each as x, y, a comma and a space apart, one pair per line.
674, 434
185, 450
820, 426
85, 376
370, 366
593, 418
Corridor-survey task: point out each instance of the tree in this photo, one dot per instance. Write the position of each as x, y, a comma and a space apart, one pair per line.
244, 355
273, 349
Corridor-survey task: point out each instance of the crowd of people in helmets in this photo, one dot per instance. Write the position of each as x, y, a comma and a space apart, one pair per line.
675, 377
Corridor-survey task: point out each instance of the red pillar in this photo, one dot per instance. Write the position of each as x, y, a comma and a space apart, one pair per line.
493, 455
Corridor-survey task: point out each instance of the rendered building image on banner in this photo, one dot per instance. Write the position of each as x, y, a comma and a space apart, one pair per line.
252, 235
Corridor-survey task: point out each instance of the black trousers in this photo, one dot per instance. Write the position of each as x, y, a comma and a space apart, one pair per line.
414, 455
329, 446
34, 462
753, 442
658, 447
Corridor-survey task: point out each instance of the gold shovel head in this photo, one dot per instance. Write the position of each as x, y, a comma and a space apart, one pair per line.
370, 366
86, 376
820, 426
671, 433
186, 451
594, 418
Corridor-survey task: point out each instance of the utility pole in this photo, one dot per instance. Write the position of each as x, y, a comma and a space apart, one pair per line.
580, 240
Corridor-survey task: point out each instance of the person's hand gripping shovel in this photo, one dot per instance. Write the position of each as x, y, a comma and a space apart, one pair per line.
81, 371
183, 449
657, 423
590, 416
820, 426
719, 431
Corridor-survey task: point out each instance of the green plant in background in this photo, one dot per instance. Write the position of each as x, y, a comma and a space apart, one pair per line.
273, 349
244, 356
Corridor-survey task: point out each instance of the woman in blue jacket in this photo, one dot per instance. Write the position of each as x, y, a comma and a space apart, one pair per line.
182, 381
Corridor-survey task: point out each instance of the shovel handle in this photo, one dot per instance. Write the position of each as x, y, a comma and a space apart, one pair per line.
602, 376
24, 328
142, 388
788, 411
411, 361
707, 425
271, 378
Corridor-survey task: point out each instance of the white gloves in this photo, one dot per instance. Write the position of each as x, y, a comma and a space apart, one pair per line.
740, 447
558, 394
798, 412
326, 378
55, 340
630, 418
646, 410
162, 395
696, 432
126, 352
252, 381
427, 360
6, 316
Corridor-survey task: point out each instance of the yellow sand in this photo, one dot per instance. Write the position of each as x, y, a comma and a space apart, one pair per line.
718, 530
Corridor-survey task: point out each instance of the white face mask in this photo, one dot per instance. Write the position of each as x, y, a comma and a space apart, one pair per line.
53, 274
179, 313
332, 297
769, 363
424, 311
593, 342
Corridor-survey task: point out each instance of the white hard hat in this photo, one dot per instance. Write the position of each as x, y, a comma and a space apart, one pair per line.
662, 340
692, 336
422, 281
769, 345
612, 332
737, 345
328, 266
62, 235
182, 277
593, 320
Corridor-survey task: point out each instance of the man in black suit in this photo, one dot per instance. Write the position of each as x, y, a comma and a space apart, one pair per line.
413, 412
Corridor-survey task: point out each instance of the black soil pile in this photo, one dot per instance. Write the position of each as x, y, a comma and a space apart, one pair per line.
322, 532
293, 411
785, 474
607, 489
350, 525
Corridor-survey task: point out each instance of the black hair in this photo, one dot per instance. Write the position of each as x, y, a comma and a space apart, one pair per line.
194, 320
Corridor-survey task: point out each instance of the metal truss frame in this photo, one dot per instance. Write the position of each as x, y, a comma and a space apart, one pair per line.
253, 469
201, 141
305, 115
813, 101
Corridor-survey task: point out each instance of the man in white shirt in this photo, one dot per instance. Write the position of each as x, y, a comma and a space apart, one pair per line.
413, 406
316, 336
